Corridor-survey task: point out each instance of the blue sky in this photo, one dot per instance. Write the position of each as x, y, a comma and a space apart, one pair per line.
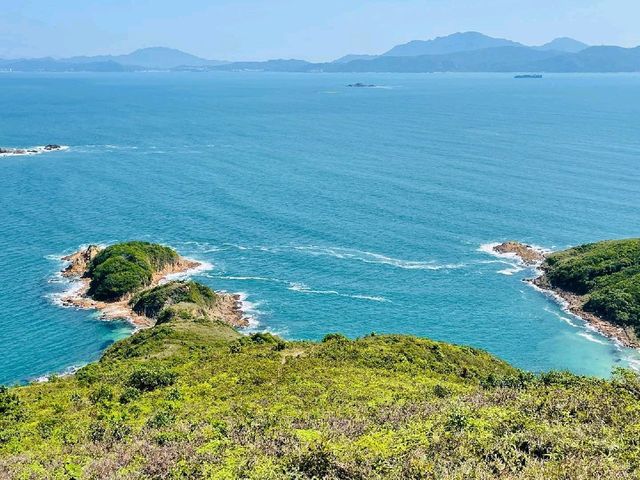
312, 30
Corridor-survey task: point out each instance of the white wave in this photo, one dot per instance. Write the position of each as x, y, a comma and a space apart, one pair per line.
375, 258
591, 338
510, 271
372, 298
65, 373
25, 152
250, 311
488, 248
73, 288
201, 268
246, 279
302, 288
562, 317
516, 265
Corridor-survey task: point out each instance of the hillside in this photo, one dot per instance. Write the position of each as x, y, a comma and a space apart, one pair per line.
192, 398
605, 276
196, 400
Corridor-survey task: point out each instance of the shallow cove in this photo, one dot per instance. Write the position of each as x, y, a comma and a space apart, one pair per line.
331, 208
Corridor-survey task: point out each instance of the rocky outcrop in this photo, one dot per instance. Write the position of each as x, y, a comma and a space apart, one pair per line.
79, 261
31, 151
528, 254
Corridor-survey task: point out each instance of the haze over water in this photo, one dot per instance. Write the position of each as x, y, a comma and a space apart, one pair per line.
332, 209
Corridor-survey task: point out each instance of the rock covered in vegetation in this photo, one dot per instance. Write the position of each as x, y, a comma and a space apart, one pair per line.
188, 300
125, 268
602, 282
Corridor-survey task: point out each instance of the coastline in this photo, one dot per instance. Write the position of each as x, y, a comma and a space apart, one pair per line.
534, 257
229, 306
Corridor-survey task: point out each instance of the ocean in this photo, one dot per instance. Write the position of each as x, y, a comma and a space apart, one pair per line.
330, 209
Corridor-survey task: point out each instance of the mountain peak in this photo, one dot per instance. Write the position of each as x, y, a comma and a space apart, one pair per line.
564, 44
457, 42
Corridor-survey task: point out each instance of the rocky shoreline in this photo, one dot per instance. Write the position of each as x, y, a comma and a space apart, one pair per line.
574, 304
228, 306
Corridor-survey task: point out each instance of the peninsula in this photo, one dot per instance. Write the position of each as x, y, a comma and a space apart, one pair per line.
599, 282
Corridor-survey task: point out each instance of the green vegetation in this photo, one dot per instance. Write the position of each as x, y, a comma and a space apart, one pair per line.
187, 300
191, 400
125, 268
607, 273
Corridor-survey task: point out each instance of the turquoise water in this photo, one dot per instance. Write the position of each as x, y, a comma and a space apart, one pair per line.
330, 208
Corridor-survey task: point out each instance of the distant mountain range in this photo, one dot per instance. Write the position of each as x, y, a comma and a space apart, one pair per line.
154, 58
460, 52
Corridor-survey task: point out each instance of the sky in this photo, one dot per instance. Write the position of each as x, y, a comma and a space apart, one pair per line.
311, 30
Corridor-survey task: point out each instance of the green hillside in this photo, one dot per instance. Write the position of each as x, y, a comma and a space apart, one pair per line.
606, 273
197, 400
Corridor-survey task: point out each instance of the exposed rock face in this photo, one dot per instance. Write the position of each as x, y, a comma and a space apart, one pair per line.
229, 308
79, 261
526, 253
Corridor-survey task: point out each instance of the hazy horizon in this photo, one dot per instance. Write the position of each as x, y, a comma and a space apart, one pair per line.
257, 30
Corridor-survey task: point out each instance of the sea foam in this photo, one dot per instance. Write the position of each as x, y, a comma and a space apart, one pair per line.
26, 152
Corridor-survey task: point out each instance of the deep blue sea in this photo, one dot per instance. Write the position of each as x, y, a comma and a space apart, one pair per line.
332, 209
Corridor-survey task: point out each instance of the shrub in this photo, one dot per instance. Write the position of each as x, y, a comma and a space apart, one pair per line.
331, 337
147, 379
10, 405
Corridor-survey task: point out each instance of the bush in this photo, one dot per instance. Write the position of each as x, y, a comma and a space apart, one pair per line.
147, 379
334, 337
10, 405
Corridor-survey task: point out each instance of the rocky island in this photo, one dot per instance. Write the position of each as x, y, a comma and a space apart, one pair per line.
129, 280
599, 282
30, 151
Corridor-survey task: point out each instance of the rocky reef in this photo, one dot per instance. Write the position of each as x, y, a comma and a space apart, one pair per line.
526, 253
30, 151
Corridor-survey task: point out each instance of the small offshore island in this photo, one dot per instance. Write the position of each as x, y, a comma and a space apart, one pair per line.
128, 281
599, 282
6, 152
189, 397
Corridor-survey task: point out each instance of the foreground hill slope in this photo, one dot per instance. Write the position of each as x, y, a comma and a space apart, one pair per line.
194, 399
